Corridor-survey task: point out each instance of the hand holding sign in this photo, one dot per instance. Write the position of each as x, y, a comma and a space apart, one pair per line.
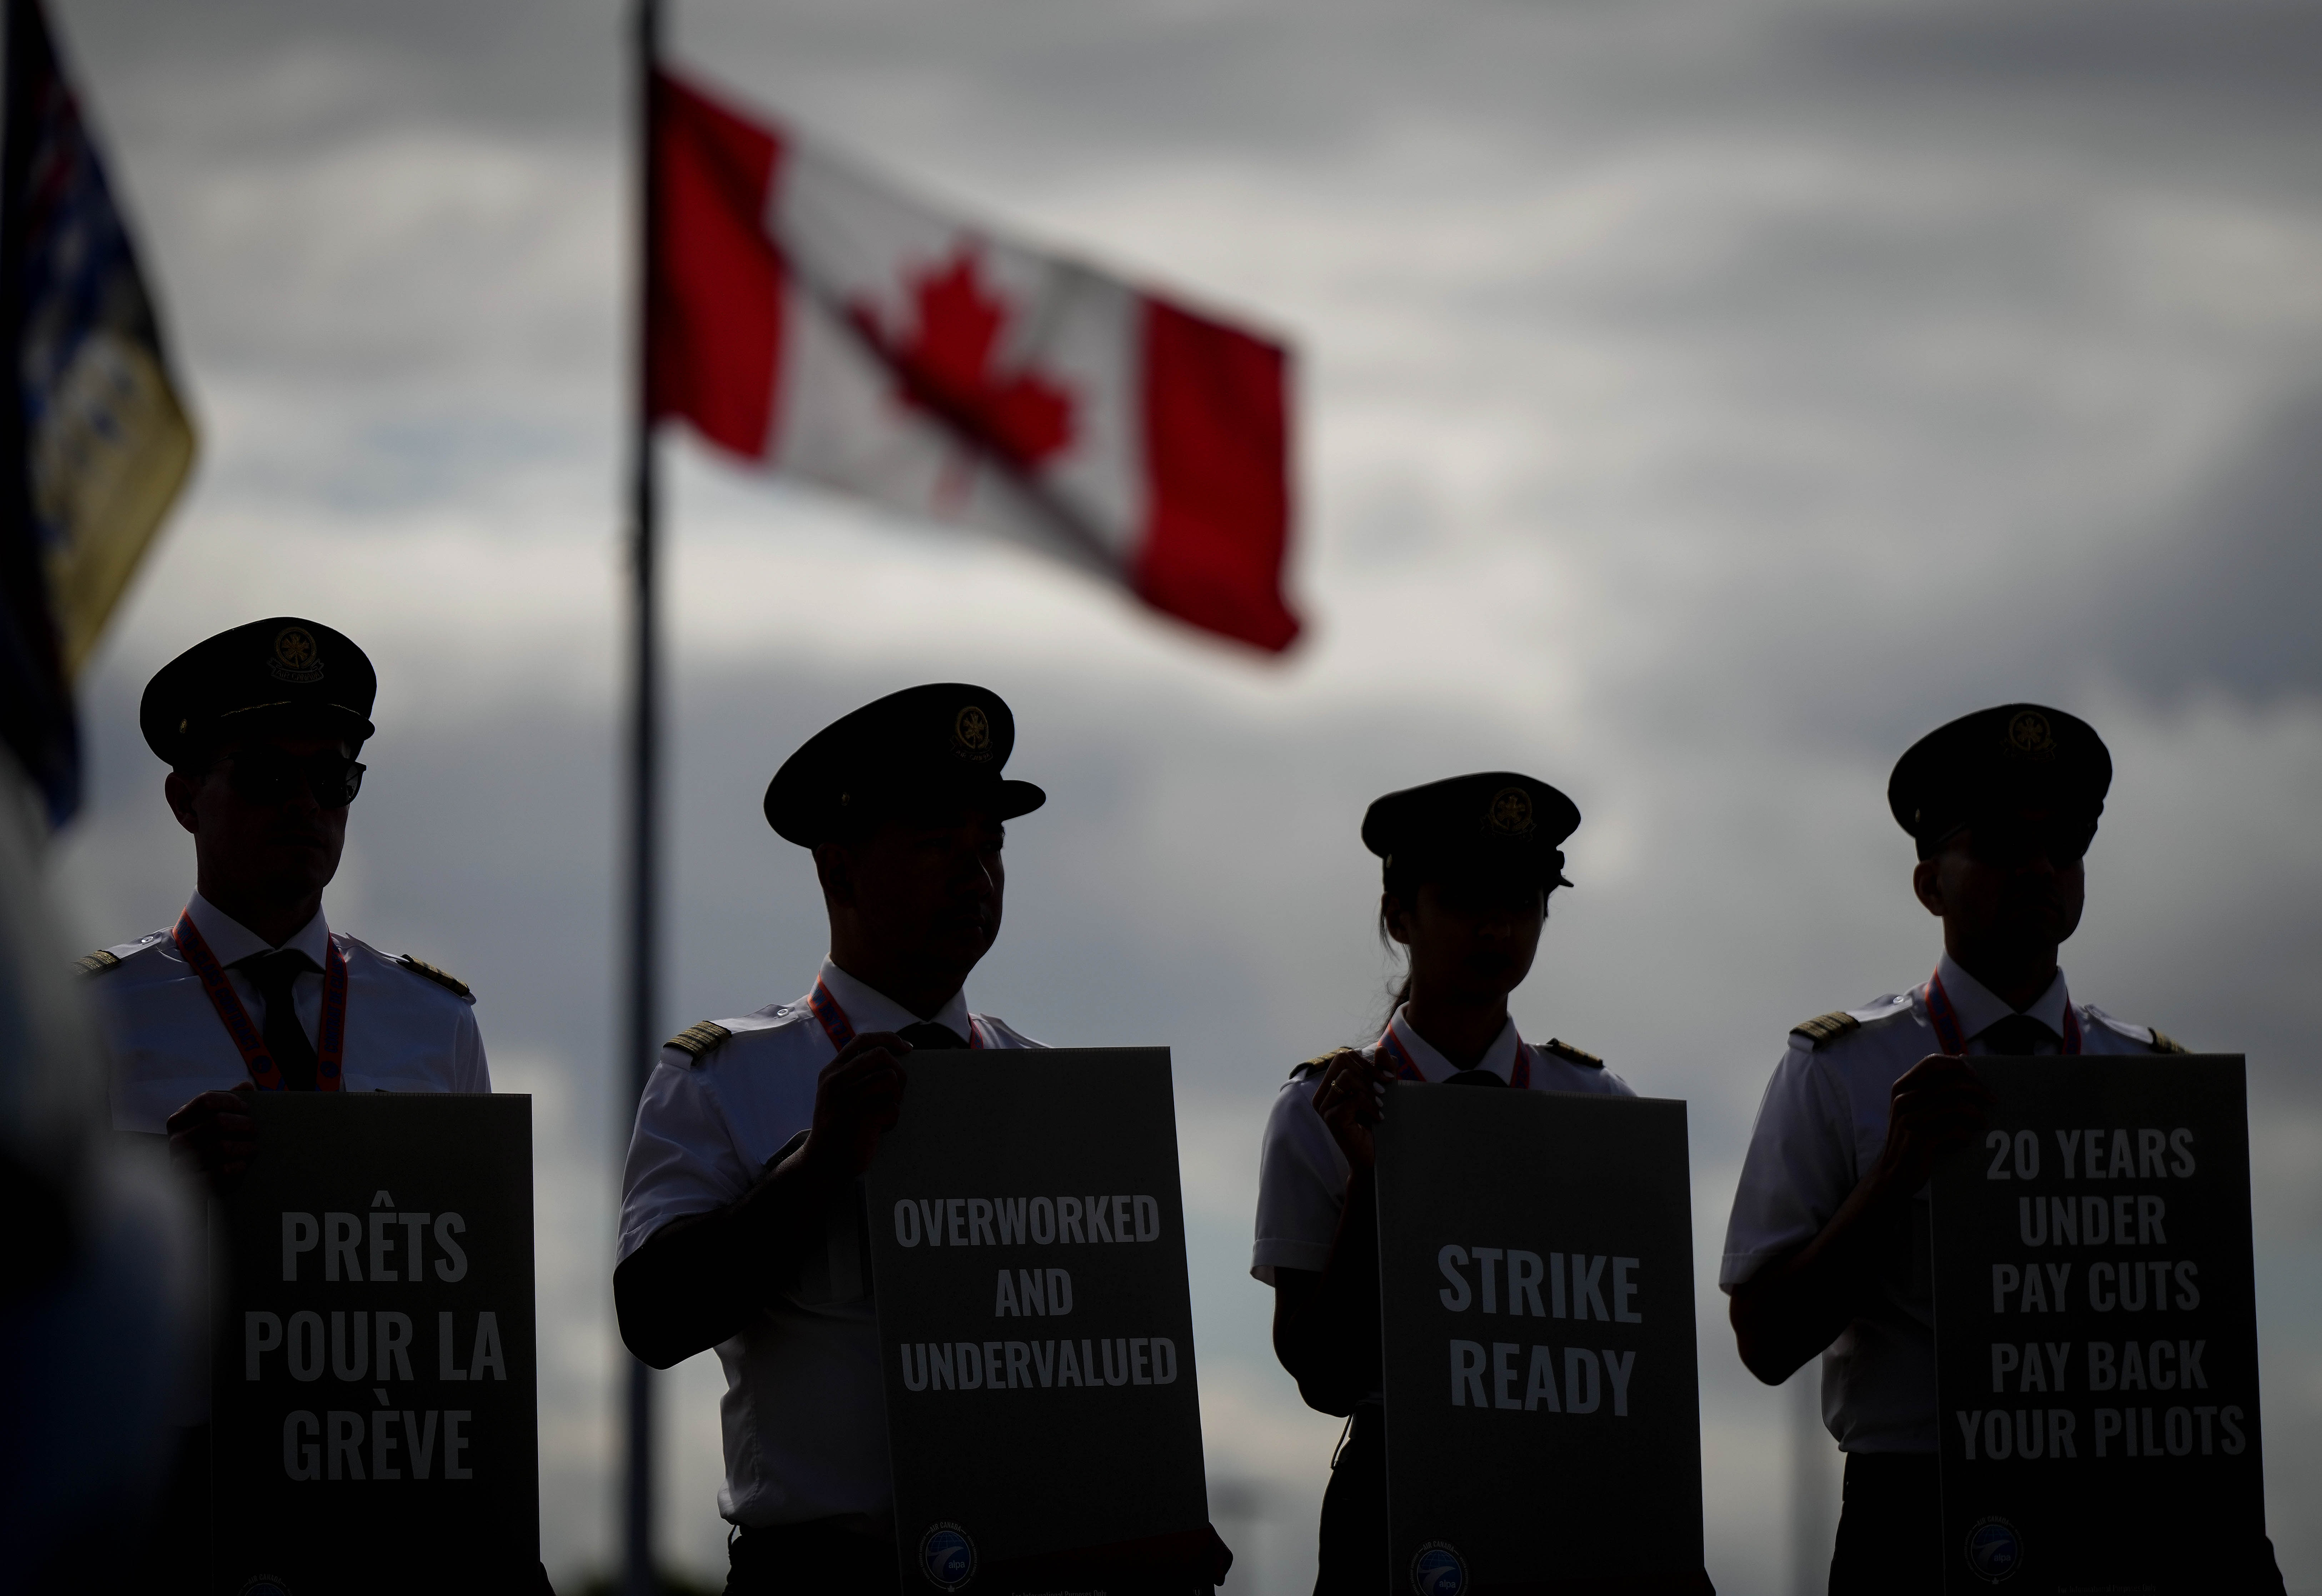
857, 1098
1348, 1102
1938, 1104
216, 1132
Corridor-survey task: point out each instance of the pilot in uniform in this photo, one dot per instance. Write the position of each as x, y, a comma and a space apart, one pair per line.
250, 990
741, 1222
1827, 1251
1467, 864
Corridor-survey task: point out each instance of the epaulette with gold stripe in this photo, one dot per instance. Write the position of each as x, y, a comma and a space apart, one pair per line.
99, 961
1571, 1054
442, 978
1827, 1027
1316, 1063
698, 1042
2162, 1042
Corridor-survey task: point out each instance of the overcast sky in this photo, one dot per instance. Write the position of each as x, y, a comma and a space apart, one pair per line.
1698, 401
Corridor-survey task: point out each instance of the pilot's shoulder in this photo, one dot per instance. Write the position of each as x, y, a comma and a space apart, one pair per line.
1826, 1031
699, 1040
435, 972
1571, 1054
105, 961
705, 1039
1313, 1068
2152, 1036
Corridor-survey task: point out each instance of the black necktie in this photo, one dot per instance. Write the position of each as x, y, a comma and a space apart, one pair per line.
2018, 1035
929, 1035
1472, 1078
274, 975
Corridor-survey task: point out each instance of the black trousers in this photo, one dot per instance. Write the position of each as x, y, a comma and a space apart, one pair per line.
1890, 1531
173, 1558
173, 1553
817, 1557
1351, 1559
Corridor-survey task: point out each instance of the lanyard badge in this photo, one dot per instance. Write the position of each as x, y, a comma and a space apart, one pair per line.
330, 1045
841, 1030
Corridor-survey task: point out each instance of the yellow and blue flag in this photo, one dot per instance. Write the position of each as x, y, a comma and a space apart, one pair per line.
94, 442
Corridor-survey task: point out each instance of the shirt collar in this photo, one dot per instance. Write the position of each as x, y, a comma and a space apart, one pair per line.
1978, 1009
1499, 1058
233, 942
868, 1009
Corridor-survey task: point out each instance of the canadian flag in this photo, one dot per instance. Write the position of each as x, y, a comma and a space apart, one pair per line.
808, 318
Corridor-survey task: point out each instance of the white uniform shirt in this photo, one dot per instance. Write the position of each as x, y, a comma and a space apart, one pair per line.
1302, 1174
1819, 1131
805, 1409
405, 1031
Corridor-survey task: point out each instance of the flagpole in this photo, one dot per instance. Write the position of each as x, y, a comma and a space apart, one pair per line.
642, 952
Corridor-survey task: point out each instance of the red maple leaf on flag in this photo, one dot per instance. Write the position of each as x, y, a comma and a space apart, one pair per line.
944, 364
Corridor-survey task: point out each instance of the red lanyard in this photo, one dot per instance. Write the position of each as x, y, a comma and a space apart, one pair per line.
331, 1044
841, 1030
1945, 1019
1407, 1069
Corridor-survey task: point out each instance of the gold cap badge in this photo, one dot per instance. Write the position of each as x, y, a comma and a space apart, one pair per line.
971, 729
297, 658
1511, 812
2029, 733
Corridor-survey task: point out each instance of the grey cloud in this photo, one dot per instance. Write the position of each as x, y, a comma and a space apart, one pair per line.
2244, 52
2227, 598
336, 67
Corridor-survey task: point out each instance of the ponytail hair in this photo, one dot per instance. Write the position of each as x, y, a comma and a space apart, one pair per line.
1397, 999
1400, 882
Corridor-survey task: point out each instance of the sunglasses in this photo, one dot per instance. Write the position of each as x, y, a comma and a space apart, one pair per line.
2008, 842
267, 776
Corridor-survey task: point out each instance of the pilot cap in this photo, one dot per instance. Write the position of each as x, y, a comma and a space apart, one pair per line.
1494, 822
261, 677
937, 746
2014, 756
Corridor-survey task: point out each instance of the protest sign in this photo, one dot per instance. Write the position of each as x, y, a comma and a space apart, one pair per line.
1543, 1414
2095, 1335
374, 1427
1028, 1246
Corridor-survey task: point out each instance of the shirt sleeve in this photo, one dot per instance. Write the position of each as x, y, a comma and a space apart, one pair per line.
1301, 1187
470, 1073
1799, 1170
681, 1157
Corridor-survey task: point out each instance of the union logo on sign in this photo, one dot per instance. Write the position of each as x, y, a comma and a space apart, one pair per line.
946, 1556
1994, 1550
1439, 1571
